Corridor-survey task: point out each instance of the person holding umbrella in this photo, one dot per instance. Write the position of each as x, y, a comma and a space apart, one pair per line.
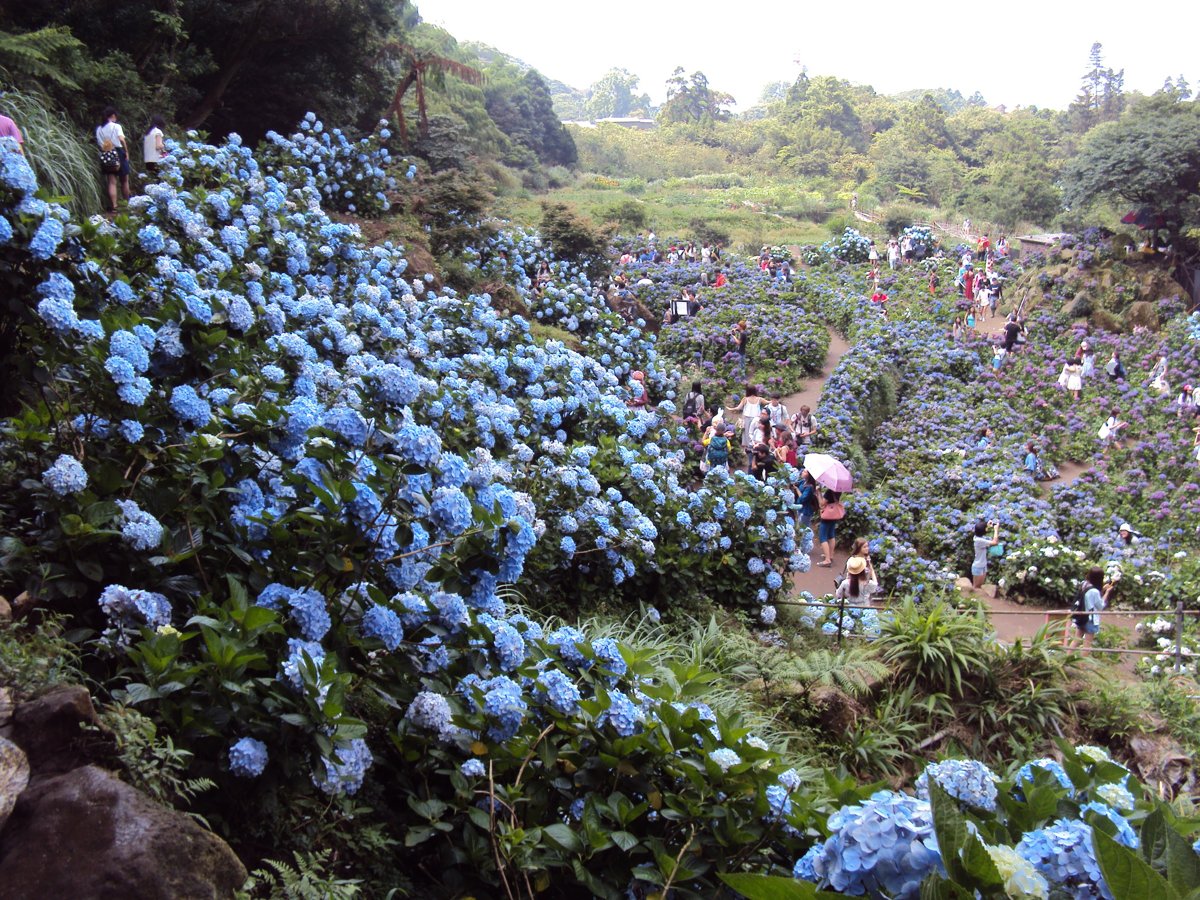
832, 512
836, 479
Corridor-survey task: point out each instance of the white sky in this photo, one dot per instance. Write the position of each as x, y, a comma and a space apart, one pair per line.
1017, 53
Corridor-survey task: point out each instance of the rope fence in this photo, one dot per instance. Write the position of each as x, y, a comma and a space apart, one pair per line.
1049, 616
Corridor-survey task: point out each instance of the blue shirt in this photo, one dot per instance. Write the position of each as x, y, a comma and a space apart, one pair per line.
1030, 462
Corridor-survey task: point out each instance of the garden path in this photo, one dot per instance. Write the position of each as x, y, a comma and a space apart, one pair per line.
818, 579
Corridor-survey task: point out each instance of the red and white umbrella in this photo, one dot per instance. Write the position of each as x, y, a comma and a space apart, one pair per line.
827, 471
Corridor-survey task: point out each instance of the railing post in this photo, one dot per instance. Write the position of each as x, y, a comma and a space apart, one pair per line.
842, 614
1178, 635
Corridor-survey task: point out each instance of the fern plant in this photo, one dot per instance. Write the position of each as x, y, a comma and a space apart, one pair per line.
37, 57
309, 878
152, 764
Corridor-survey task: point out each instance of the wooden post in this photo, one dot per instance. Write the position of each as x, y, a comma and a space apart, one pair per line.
1178, 635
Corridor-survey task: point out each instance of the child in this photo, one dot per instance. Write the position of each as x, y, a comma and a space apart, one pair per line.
998, 354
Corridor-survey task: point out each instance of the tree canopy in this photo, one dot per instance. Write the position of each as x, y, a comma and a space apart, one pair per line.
1150, 157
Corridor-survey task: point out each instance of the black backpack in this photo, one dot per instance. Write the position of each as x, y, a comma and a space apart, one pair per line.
1079, 605
689, 405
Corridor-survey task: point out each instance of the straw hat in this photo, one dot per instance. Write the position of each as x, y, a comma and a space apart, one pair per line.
856, 565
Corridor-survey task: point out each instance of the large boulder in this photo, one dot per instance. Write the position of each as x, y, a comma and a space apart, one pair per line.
60, 731
89, 836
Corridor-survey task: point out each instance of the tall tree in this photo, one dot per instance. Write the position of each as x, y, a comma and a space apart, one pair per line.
420, 66
1151, 158
690, 99
1101, 96
615, 94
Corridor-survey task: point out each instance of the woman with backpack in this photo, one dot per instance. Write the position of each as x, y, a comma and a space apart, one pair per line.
1092, 599
693, 405
832, 512
718, 449
114, 156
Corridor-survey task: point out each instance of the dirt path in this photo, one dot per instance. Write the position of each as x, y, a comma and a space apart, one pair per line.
819, 580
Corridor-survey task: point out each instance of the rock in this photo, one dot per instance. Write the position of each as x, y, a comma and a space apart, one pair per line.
14, 776
963, 583
990, 590
838, 712
51, 730
6, 706
5, 610
22, 605
89, 836
1162, 764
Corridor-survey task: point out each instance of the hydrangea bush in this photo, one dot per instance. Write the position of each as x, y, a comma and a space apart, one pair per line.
288, 491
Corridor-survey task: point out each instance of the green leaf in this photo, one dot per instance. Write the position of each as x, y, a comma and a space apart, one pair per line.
564, 836
1154, 837
978, 863
772, 887
950, 828
90, 570
625, 840
1183, 865
417, 835
1128, 876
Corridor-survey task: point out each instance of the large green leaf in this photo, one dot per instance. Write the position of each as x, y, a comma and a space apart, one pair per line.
950, 828
1128, 876
1183, 865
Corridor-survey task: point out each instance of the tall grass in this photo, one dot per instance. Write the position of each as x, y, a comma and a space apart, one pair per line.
63, 157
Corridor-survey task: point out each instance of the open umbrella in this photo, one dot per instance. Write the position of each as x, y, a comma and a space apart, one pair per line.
828, 471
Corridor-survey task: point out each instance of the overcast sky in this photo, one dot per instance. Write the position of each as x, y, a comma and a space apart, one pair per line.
1016, 53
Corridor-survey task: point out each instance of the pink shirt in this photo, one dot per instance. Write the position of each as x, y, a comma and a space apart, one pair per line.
8, 128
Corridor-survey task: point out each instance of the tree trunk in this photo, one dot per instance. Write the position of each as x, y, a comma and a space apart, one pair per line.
229, 70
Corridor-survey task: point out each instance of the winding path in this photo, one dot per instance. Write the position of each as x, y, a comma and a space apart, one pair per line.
818, 579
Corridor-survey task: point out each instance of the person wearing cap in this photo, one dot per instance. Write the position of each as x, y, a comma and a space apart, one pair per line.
854, 587
1128, 536
1186, 401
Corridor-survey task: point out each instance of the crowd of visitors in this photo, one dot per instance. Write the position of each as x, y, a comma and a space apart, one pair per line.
113, 155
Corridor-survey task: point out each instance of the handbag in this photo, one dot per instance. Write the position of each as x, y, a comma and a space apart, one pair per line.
833, 512
996, 551
110, 160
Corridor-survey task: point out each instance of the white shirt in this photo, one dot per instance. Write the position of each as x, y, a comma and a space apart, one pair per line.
111, 132
150, 146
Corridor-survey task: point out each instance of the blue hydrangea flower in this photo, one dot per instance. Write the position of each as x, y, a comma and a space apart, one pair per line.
383, 625
247, 758
431, 711
964, 779
883, 846
1050, 766
1063, 854
624, 716
309, 611
344, 773
190, 406
138, 527
608, 655
473, 768
65, 476
504, 706
559, 692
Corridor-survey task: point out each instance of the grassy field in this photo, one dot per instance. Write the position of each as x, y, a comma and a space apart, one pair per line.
752, 211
